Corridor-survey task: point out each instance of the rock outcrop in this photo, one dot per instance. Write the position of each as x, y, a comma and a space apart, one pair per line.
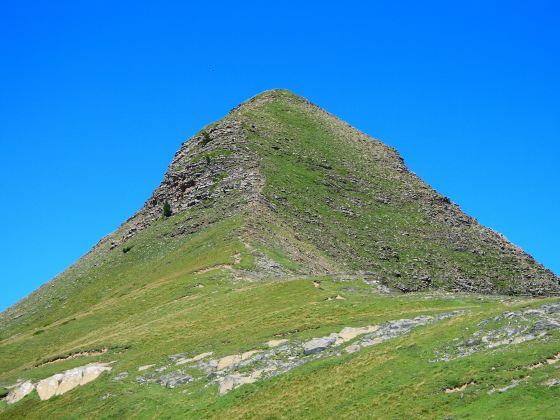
19, 391
58, 384
232, 371
509, 328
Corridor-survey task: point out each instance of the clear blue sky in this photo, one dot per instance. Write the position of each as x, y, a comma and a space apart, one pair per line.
96, 97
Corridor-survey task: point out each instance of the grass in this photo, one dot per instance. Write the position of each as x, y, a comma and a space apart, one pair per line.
190, 283
229, 317
214, 154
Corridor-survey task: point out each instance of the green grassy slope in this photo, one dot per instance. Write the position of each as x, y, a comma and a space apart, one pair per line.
392, 380
351, 196
298, 252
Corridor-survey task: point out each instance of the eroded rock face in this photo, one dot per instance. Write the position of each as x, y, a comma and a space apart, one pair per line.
210, 165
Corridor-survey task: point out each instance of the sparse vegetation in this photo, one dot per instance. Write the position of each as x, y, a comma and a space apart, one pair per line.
213, 154
167, 212
217, 179
205, 138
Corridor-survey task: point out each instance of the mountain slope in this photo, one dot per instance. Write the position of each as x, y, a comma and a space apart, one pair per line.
287, 224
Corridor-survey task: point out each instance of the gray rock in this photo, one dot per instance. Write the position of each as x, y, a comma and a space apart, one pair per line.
120, 376
174, 379
544, 326
318, 345
552, 382
178, 356
519, 327
471, 342
513, 384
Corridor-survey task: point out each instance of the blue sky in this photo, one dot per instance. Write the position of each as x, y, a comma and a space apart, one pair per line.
97, 96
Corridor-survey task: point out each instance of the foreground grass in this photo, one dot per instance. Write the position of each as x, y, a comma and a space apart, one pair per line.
393, 380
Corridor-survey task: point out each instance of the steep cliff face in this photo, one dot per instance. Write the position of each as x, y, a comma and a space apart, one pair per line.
213, 166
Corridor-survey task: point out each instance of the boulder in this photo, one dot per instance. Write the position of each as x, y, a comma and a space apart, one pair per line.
72, 378
349, 333
92, 372
47, 387
276, 343
228, 361
19, 391
318, 345
174, 379
231, 382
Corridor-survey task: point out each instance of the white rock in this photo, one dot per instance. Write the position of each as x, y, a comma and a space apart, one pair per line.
228, 361
59, 383
48, 387
92, 372
275, 343
71, 380
349, 333
194, 359
19, 391
146, 367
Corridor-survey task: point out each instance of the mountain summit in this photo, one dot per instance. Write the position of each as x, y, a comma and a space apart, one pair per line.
275, 197
344, 201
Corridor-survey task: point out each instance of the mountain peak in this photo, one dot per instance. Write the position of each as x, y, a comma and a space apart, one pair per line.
328, 198
270, 95
284, 158
279, 236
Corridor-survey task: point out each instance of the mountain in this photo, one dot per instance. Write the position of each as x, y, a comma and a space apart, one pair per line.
288, 265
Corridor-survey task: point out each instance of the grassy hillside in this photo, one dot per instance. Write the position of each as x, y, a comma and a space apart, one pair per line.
352, 197
290, 225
